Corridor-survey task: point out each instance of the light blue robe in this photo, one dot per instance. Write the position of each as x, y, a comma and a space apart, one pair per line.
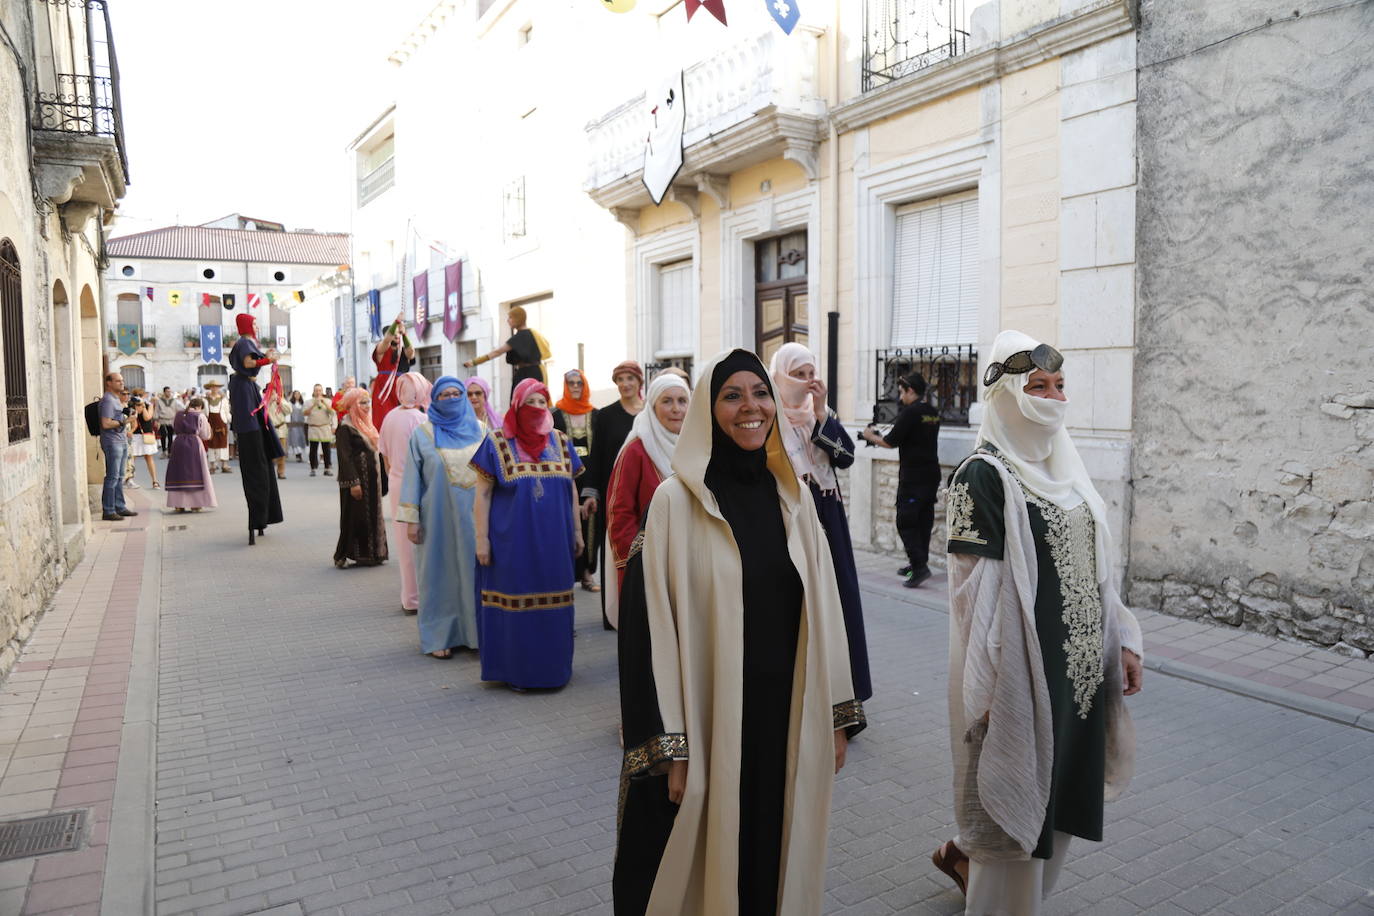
437, 493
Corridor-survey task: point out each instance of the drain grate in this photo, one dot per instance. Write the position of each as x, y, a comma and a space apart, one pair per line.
34, 836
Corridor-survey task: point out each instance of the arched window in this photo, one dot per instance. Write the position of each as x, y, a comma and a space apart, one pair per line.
12, 328
133, 378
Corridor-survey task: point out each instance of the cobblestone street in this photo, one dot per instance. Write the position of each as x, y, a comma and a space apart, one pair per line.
310, 760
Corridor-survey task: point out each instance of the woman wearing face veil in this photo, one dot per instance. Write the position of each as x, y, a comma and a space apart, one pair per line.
735, 688
1041, 648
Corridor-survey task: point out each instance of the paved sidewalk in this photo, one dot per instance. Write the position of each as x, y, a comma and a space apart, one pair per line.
1282, 671
63, 715
309, 760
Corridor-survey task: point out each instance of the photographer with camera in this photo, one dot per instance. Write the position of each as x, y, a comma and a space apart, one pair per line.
143, 438
114, 444
915, 435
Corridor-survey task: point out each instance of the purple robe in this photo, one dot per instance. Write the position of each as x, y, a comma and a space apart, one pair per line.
188, 481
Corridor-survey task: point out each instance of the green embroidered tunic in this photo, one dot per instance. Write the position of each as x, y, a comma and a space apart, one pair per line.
1068, 622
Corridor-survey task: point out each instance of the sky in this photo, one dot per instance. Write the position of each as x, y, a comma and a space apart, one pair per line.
248, 106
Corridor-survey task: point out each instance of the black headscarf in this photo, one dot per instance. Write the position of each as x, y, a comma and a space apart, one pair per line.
728, 460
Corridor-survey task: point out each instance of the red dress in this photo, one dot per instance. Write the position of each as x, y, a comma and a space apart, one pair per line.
386, 371
633, 482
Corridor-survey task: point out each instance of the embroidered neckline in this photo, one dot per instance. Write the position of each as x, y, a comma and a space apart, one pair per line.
1073, 549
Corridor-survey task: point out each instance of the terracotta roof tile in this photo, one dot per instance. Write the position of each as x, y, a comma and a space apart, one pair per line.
255, 246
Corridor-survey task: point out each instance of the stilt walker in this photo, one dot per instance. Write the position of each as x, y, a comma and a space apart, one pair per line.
257, 441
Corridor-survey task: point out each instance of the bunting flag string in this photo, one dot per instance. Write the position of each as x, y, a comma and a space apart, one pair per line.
618, 6
299, 295
228, 300
271, 299
254, 300
174, 297
204, 298
148, 292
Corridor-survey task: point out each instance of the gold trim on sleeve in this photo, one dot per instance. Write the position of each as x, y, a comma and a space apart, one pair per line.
658, 749
850, 715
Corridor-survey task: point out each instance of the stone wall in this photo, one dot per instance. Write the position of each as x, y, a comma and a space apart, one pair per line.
32, 565
1254, 398
884, 533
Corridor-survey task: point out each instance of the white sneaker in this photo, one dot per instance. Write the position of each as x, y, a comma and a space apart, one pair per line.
132, 485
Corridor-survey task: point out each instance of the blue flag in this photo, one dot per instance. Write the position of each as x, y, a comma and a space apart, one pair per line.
126, 339
784, 13
211, 343
374, 313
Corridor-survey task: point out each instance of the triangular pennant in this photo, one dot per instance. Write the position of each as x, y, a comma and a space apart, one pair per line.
204, 298
174, 297
784, 12
254, 300
714, 7
148, 293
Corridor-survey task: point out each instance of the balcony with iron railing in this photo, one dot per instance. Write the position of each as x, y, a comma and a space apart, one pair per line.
951, 374
377, 182
902, 37
77, 121
751, 101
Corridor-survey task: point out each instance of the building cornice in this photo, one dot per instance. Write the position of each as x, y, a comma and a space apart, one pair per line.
1077, 30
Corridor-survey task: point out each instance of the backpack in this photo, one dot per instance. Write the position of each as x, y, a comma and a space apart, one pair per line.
92, 411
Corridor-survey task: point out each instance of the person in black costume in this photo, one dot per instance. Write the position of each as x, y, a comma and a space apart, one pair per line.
609, 431
754, 757
525, 350
916, 436
258, 445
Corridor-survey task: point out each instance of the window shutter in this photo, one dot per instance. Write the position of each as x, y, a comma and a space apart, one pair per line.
935, 272
675, 309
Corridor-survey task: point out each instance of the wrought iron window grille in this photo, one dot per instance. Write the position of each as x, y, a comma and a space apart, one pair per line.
904, 36
76, 34
16, 359
951, 374
652, 369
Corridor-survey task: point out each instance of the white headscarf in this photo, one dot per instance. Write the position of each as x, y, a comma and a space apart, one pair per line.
1029, 433
658, 441
799, 416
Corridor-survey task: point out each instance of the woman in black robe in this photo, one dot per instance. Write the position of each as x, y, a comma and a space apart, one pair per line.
609, 431
258, 446
525, 350
772, 599
362, 530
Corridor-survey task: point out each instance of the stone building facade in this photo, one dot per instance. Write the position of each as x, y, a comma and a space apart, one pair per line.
62, 174
1254, 414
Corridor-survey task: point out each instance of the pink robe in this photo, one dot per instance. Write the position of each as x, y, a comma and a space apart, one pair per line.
394, 444
204, 498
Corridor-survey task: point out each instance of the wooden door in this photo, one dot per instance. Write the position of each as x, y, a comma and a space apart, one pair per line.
781, 301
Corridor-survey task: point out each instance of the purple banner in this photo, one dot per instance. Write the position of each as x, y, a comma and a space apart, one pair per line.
419, 285
453, 299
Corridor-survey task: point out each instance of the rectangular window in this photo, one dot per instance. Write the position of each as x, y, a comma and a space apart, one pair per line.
12, 328
513, 209
675, 309
277, 317
935, 272
431, 362
130, 311
133, 377
210, 314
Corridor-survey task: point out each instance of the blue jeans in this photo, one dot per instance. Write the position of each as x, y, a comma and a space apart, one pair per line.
112, 493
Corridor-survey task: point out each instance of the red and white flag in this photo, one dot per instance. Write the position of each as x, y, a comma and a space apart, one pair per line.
714, 7
254, 300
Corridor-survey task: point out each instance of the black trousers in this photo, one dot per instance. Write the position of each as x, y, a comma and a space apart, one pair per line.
315, 455
259, 483
164, 437
915, 520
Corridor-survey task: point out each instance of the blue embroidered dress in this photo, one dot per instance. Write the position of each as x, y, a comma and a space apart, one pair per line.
437, 494
525, 610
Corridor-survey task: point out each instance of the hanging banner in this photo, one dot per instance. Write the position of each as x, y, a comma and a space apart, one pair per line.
254, 300
281, 337
174, 297
228, 300
374, 313
126, 339
211, 350
663, 144
784, 13
453, 299
419, 287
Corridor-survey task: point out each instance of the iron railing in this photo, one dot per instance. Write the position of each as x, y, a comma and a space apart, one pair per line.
951, 375
904, 36
75, 35
376, 182
654, 368
190, 336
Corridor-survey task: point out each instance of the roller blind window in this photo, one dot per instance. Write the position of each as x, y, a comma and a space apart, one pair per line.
935, 272
675, 309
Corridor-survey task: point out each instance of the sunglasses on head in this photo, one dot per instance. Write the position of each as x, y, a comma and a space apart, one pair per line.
1042, 357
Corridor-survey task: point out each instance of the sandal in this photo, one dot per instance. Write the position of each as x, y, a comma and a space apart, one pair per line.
946, 858
590, 586
441, 653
